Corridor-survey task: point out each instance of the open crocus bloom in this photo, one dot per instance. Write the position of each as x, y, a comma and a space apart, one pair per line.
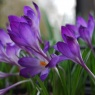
33, 66
38, 65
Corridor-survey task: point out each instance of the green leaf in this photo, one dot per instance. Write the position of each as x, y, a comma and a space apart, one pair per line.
42, 86
62, 77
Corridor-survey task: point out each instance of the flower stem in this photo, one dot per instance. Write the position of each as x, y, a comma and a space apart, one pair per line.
3, 91
89, 71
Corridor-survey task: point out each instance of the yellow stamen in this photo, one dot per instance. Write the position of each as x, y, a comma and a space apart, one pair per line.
42, 63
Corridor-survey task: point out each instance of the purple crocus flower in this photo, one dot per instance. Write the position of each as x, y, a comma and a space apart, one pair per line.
29, 18
24, 36
33, 66
8, 50
71, 49
25, 32
86, 29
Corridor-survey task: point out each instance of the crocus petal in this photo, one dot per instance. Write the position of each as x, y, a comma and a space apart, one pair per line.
73, 29
47, 46
12, 49
14, 27
37, 9
81, 22
73, 46
18, 40
13, 18
3, 56
29, 12
65, 50
84, 34
34, 20
28, 20
22, 34
29, 62
55, 47
55, 60
90, 25
27, 33
66, 31
12, 52
2, 50
44, 74
3, 91
15, 35
30, 72
4, 37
